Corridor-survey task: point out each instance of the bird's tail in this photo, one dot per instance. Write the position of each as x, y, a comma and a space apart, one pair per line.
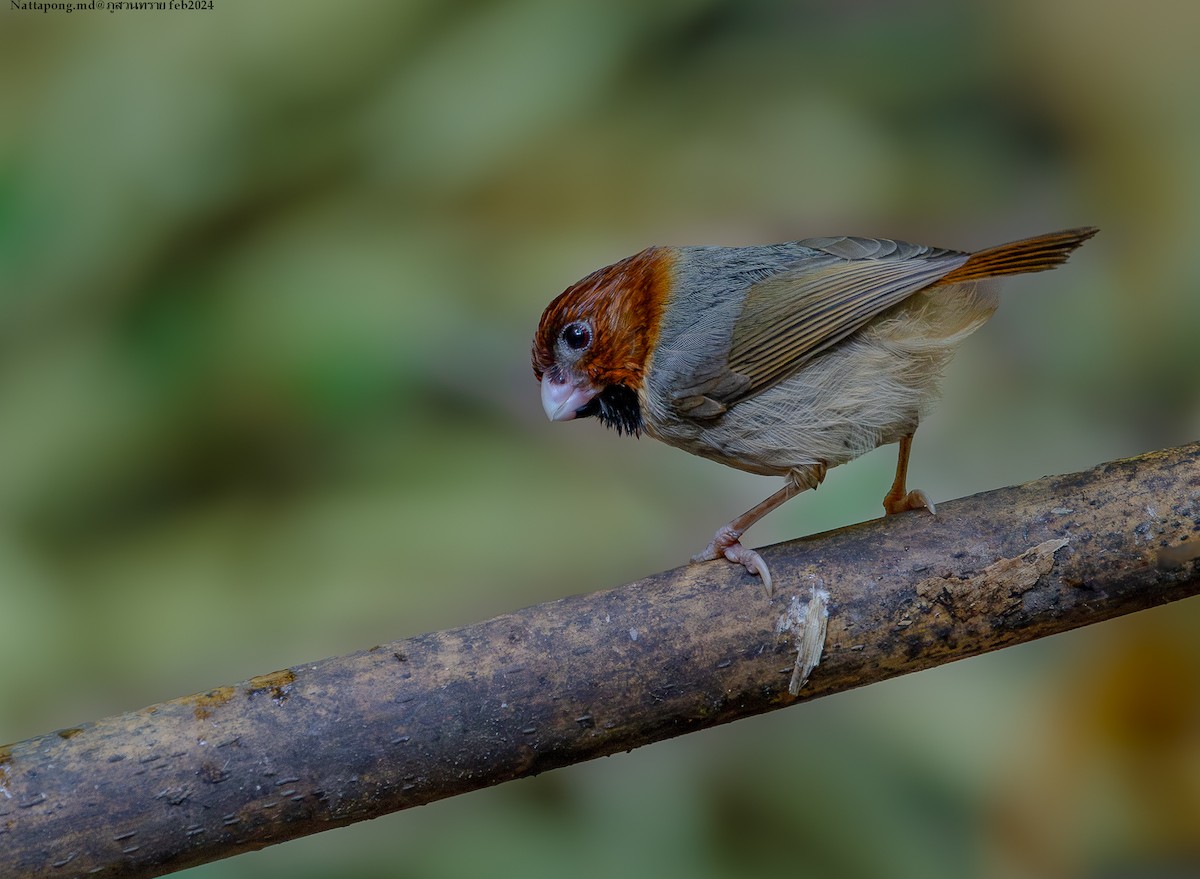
1029, 255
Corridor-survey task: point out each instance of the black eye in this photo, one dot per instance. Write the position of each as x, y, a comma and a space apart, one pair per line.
577, 336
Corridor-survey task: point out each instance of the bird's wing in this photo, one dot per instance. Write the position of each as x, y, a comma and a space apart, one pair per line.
790, 317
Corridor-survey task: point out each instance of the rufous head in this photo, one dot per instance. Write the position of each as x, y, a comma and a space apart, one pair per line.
595, 339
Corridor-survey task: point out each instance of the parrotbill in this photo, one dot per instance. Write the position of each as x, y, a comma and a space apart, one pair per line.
783, 359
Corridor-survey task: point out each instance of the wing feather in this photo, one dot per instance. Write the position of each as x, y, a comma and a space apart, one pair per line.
794, 315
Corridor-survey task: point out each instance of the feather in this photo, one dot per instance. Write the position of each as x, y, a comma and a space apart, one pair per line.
1028, 255
793, 316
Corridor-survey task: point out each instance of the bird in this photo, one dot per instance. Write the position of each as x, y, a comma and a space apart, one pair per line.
781, 359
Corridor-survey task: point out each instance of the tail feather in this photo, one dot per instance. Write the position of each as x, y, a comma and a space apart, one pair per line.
1029, 255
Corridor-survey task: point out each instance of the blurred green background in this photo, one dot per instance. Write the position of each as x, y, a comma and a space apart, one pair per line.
268, 276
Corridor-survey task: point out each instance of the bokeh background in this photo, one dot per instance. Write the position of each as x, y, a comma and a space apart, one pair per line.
268, 275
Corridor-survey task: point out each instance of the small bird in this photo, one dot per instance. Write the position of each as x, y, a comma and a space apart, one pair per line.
782, 360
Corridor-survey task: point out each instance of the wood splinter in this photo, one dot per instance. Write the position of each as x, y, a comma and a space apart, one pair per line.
807, 623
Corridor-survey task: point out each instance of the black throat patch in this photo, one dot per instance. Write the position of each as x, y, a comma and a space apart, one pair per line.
616, 406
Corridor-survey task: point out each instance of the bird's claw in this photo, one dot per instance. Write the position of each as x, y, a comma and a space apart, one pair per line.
914, 500
752, 562
727, 544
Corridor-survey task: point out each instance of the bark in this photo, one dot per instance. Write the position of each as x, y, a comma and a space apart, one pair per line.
324, 744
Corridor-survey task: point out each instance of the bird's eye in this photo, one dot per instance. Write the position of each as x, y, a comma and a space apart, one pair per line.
577, 336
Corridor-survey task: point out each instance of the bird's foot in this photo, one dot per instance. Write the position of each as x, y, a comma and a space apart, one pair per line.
727, 543
913, 500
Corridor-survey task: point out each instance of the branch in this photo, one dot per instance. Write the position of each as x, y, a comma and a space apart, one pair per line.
342, 740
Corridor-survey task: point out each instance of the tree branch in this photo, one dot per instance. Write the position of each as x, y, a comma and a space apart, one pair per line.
342, 740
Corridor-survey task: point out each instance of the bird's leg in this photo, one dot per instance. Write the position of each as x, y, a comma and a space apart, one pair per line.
898, 499
727, 542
